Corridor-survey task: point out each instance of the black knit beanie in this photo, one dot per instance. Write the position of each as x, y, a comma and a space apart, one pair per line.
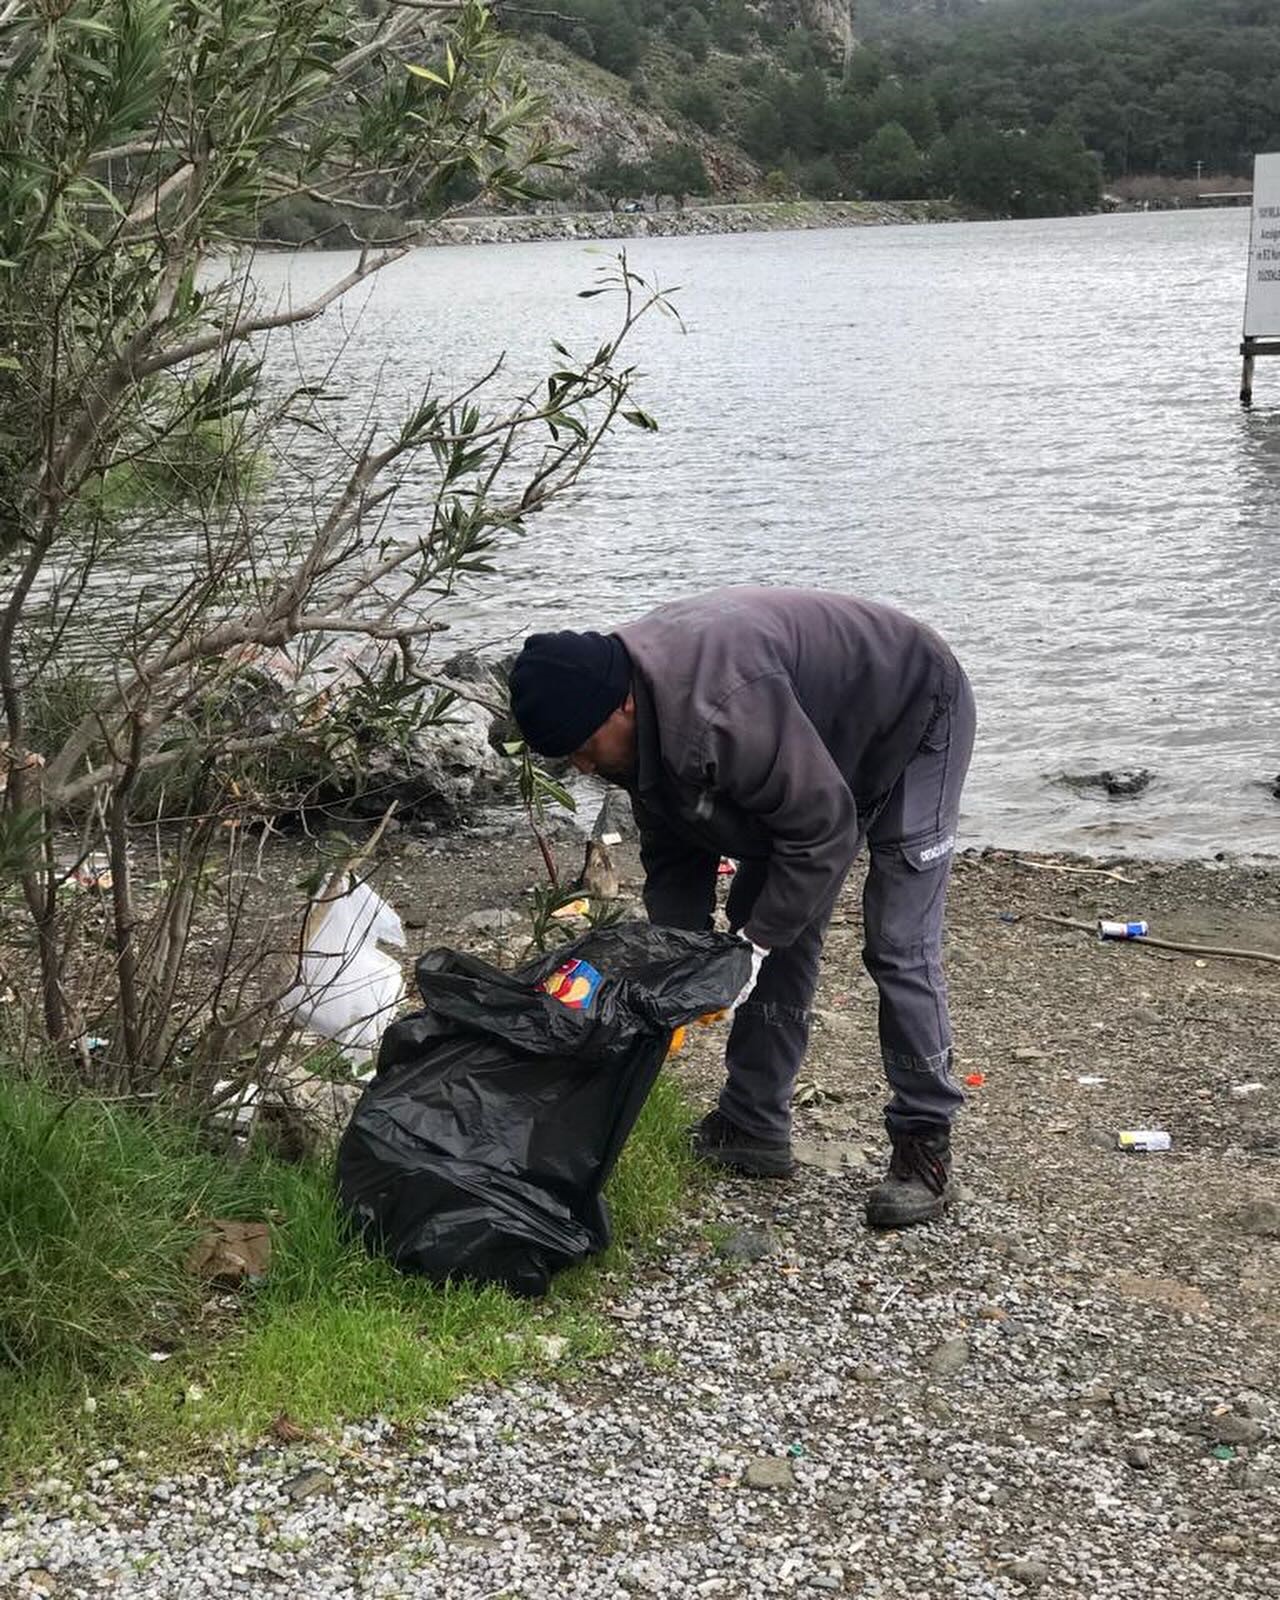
565, 685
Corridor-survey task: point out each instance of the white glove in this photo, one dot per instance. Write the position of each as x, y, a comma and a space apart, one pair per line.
758, 955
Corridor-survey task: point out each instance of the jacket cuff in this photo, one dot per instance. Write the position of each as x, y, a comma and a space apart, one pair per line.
767, 936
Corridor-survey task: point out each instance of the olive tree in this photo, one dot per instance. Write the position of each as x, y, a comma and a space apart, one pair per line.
173, 513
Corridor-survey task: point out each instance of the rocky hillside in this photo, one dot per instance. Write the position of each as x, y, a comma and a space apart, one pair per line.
742, 99
604, 117
627, 82
1001, 108
1010, 107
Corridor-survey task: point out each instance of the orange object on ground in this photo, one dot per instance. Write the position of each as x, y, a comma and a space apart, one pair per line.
975, 1080
678, 1034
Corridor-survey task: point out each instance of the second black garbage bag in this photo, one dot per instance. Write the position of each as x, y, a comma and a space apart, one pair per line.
481, 1148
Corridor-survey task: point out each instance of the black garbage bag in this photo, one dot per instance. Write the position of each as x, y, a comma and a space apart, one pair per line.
481, 1147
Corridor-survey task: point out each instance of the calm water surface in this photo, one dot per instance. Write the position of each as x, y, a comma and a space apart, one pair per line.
1025, 433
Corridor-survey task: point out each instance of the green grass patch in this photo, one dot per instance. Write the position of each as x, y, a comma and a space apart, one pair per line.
98, 1208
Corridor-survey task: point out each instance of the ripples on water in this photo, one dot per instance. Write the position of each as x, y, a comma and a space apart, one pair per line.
1024, 433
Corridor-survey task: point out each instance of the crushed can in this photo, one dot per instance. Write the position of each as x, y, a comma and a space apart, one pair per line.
1143, 1139
1108, 929
574, 984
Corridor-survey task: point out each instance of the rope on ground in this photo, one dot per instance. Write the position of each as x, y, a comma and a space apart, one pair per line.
1166, 944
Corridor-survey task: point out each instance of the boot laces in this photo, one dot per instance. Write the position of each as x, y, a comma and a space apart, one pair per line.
913, 1158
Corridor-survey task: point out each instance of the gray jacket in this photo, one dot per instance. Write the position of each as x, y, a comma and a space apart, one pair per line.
771, 724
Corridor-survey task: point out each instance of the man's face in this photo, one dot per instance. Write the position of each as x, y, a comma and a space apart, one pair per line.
610, 752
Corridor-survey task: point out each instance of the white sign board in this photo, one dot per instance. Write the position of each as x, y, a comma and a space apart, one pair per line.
1262, 298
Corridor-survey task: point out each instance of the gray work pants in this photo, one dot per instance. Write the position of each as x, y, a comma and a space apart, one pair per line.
911, 835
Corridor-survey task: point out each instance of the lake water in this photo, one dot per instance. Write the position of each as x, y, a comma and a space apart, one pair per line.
1026, 434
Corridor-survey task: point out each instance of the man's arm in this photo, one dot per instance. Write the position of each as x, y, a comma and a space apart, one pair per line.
762, 753
679, 879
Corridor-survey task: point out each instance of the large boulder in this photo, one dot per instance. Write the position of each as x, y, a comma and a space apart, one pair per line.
442, 770
437, 770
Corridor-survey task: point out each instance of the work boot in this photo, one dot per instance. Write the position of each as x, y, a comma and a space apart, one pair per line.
918, 1187
725, 1144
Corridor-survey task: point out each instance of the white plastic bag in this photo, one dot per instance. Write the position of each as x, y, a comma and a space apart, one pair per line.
347, 986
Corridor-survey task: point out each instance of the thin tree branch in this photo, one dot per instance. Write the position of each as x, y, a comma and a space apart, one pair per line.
141, 147
396, 28
157, 761
1220, 951
178, 355
148, 208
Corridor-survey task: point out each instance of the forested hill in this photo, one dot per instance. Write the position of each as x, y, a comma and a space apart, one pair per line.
1008, 107
1019, 107
1153, 86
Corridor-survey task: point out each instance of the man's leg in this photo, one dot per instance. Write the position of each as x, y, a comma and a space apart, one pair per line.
751, 1131
912, 840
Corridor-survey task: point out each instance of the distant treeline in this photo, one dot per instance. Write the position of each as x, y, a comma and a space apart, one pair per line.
1151, 85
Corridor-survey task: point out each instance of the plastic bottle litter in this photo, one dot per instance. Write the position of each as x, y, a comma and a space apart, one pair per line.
1144, 1139
1108, 929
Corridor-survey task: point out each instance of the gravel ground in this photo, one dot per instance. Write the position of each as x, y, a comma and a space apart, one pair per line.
1069, 1387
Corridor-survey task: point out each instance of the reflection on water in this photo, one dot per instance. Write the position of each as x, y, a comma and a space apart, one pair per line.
1025, 433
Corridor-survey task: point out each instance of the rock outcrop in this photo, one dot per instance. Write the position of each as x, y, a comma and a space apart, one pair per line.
831, 20
437, 770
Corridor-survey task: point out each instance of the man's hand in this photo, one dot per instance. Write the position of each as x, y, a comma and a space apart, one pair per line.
758, 954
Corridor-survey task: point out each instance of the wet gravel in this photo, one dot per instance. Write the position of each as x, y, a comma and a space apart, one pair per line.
1067, 1388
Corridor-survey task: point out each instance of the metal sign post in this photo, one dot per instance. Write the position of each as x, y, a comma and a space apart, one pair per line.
1262, 295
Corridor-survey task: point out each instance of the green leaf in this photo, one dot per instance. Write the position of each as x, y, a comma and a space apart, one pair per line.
551, 790
640, 419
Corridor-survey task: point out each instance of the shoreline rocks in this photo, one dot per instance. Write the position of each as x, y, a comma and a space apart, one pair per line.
1122, 783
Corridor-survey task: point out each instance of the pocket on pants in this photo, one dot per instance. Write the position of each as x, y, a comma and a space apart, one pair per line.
930, 851
903, 899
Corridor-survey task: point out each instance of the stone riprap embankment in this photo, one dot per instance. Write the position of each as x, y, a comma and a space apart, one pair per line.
761, 217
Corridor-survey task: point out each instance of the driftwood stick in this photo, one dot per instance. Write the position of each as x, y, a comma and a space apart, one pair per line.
1083, 872
1220, 951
